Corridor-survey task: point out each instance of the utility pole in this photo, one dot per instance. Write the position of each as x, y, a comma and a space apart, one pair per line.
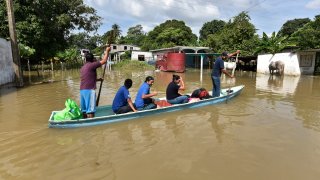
14, 44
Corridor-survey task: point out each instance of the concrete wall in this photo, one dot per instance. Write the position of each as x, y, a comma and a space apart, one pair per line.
6, 62
307, 62
289, 59
147, 55
296, 63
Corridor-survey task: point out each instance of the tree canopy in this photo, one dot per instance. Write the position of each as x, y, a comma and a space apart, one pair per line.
238, 33
292, 26
112, 36
168, 34
272, 44
135, 35
44, 24
211, 27
308, 37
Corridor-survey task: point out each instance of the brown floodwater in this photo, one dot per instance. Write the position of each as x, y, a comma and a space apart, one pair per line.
270, 131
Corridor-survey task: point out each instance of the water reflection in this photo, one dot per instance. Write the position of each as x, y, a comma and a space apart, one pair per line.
273, 126
307, 102
277, 84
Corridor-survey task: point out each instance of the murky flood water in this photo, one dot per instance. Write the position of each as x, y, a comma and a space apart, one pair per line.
270, 131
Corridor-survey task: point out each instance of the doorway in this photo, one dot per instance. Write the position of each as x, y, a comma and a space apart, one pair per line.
141, 58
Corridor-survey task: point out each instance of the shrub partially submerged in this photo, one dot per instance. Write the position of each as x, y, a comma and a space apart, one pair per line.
131, 64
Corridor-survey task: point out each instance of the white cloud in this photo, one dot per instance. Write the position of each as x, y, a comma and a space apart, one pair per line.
266, 15
314, 4
153, 12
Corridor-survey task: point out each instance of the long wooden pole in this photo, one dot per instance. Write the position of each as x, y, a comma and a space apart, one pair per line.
14, 44
100, 88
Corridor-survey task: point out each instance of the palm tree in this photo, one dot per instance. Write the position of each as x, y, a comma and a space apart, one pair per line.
113, 35
116, 31
272, 44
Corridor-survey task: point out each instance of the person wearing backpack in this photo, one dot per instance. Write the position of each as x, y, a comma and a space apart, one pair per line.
88, 76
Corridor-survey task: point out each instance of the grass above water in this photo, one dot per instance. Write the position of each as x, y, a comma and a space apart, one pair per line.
131, 64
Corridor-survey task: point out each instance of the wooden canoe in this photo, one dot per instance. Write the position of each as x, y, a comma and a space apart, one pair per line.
105, 114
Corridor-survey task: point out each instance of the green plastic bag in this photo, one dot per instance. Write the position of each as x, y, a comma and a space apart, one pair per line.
72, 111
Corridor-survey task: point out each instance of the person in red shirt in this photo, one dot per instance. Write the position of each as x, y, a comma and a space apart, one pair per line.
88, 76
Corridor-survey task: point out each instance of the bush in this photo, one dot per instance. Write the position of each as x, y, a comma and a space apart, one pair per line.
132, 64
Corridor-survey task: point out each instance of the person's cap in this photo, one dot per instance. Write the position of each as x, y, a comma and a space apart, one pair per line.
224, 53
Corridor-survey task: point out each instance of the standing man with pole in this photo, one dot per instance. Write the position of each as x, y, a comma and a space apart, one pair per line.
88, 76
217, 70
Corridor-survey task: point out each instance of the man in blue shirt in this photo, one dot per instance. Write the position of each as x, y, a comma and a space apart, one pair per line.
143, 99
217, 70
122, 101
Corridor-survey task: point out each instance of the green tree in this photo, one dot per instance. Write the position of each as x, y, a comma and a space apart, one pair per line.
308, 37
69, 55
25, 53
135, 35
211, 27
84, 41
44, 24
112, 36
235, 33
170, 33
292, 26
272, 44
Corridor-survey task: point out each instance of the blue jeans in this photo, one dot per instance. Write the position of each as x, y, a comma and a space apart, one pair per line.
216, 82
147, 106
179, 100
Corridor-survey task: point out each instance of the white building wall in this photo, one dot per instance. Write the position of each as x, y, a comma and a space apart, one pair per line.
6, 62
307, 62
147, 55
123, 47
290, 60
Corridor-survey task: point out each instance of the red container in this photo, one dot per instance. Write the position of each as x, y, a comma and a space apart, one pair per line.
176, 62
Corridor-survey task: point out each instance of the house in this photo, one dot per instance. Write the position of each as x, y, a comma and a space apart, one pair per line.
306, 62
123, 47
141, 56
118, 49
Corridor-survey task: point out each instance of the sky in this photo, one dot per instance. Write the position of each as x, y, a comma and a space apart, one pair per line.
266, 15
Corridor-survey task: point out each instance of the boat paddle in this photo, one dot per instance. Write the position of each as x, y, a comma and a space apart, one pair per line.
104, 71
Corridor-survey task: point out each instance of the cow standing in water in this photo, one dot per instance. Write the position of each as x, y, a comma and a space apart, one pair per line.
277, 66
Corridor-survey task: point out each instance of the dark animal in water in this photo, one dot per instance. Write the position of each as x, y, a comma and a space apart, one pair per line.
277, 66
